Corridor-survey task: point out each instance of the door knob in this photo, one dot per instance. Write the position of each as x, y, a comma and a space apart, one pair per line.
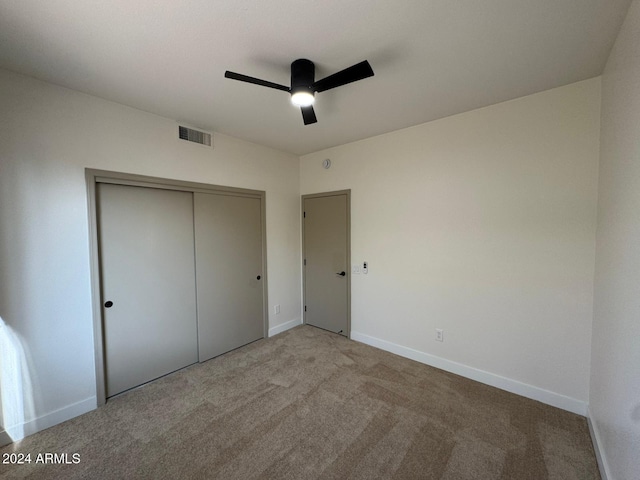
108, 304
342, 274
258, 277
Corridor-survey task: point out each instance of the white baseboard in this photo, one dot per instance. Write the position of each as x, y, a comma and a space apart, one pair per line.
535, 393
59, 416
595, 439
284, 326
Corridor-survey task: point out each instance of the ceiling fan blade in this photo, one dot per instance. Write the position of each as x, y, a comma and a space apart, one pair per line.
308, 115
256, 81
351, 74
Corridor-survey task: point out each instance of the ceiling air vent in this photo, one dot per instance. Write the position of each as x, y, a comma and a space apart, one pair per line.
196, 136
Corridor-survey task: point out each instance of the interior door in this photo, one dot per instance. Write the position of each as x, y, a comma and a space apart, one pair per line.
228, 233
326, 261
146, 246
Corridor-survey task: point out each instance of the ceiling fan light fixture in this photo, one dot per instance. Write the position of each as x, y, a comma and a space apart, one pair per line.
302, 98
304, 86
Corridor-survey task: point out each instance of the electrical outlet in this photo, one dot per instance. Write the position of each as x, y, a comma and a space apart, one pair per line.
276, 309
356, 269
439, 335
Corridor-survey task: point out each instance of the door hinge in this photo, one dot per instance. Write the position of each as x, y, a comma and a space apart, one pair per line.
305, 308
304, 214
305, 261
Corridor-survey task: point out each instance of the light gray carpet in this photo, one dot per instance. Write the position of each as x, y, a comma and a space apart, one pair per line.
308, 404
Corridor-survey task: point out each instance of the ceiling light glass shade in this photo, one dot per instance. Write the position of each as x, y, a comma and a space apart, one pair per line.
302, 99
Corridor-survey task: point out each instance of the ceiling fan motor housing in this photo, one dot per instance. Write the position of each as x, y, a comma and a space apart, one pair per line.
302, 76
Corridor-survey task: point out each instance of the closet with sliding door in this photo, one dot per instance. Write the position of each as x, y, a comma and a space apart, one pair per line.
180, 275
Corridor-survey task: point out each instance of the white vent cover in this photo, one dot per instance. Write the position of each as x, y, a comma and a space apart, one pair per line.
196, 136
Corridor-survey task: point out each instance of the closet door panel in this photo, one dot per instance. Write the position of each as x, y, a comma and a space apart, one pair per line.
146, 243
228, 237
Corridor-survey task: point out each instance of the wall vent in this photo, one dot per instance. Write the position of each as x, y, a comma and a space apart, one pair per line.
196, 136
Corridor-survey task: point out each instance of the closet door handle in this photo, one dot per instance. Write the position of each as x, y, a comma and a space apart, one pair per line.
342, 274
258, 277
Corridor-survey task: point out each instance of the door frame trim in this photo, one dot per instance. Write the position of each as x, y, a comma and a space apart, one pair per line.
348, 269
93, 177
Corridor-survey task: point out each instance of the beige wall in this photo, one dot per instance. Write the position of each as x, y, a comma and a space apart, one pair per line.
615, 369
48, 135
482, 224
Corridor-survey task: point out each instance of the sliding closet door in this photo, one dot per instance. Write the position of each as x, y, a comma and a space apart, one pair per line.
229, 273
146, 246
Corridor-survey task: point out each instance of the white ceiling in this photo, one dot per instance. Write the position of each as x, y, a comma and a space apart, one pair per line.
431, 58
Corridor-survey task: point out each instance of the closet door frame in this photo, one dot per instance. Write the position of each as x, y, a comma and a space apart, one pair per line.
94, 177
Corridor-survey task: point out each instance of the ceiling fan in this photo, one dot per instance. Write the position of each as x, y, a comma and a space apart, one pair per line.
304, 86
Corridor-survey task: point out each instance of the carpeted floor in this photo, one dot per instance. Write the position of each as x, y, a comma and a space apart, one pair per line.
308, 404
